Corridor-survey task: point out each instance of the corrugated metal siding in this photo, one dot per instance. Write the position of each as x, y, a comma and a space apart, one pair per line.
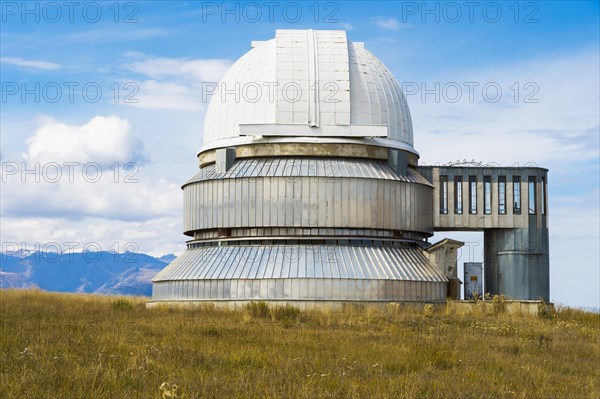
298, 289
301, 261
275, 200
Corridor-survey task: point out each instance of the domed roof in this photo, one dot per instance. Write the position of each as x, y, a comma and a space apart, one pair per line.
308, 86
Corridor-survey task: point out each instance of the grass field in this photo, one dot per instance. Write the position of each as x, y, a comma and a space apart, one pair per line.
85, 346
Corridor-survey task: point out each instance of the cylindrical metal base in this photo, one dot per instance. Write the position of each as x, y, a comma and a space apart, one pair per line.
517, 263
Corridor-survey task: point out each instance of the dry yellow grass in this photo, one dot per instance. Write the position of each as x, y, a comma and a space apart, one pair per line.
84, 346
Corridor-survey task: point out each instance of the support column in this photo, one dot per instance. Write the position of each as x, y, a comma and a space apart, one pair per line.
517, 263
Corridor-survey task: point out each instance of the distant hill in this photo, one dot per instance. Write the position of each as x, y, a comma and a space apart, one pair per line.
103, 272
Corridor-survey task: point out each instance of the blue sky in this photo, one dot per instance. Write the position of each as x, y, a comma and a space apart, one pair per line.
159, 54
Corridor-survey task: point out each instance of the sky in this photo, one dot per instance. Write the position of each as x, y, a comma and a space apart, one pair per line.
103, 104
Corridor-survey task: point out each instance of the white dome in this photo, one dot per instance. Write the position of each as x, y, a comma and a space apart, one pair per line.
269, 95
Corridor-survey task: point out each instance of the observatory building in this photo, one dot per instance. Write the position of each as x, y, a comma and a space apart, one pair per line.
309, 192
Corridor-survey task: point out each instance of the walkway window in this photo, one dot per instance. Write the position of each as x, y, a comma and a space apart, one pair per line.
472, 194
444, 194
532, 195
502, 195
517, 195
458, 195
543, 195
487, 195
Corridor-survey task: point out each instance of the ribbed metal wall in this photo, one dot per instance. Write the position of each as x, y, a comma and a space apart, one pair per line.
298, 290
302, 193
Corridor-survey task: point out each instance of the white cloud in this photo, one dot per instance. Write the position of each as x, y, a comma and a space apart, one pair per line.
73, 172
388, 23
34, 64
114, 34
200, 70
165, 95
175, 83
561, 126
157, 236
76, 172
103, 139
73, 193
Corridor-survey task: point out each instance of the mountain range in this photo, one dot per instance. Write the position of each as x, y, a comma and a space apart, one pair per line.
104, 272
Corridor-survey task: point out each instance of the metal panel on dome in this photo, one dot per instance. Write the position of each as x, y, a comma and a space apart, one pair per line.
333, 78
291, 130
313, 78
307, 78
376, 97
234, 99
